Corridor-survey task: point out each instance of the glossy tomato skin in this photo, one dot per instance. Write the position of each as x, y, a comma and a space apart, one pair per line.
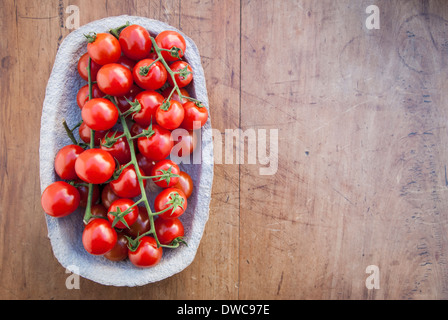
169, 39
168, 229
172, 117
154, 78
83, 62
164, 166
95, 166
83, 94
181, 81
120, 150
149, 101
104, 49
85, 134
185, 184
114, 79
141, 225
120, 251
123, 204
108, 196
158, 146
127, 185
99, 114
122, 101
161, 202
60, 199
126, 62
99, 237
145, 164
147, 254
194, 117
64, 162
175, 96
135, 42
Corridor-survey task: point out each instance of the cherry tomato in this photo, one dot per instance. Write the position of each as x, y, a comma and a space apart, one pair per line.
108, 196
186, 142
114, 79
122, 103
183, 78
149, 78
175, 96
195, 116
85, 134
120, 251
95, 166
168, 229
145, 164
98, 210
169, 39
122, 205
99, 237
170, 115
147, 254
120, 149
64, 162
149, 101
135, 42
83, 94
83, 62
99, 114
170, 197
185, 183
141, 225
158, 146
128, 63
127, 185
60, 199
104, 49
84, 193
165, 166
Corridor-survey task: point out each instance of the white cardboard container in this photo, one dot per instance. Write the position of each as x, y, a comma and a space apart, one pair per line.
59, 104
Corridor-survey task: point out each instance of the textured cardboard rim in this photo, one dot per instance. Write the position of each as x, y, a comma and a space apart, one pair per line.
60, 103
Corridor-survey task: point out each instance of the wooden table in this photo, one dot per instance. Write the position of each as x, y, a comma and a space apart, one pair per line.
362, 149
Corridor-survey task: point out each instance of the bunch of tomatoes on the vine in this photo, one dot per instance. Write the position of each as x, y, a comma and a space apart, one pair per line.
136, 95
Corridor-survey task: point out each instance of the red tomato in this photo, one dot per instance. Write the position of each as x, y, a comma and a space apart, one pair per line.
83, 94
170, 117
127, 185
98, 210
122, 103
83, 62
162, 167
114, 79
120, 149
99, 114
128, 63
104, 49
158, 146
195, 117
60, 199
169, 39
168, 229
84, 193
108, 196
141, 225
167, 91
122, 205
147, 254
85, 134
99, 237
95, 166
145, 164
120, 251
170, 197
183, 78
135, 42
64, 162
185, 183
186, 142
149, 78
149, 100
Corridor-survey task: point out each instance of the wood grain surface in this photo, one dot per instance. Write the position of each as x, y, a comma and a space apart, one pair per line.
362, 149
